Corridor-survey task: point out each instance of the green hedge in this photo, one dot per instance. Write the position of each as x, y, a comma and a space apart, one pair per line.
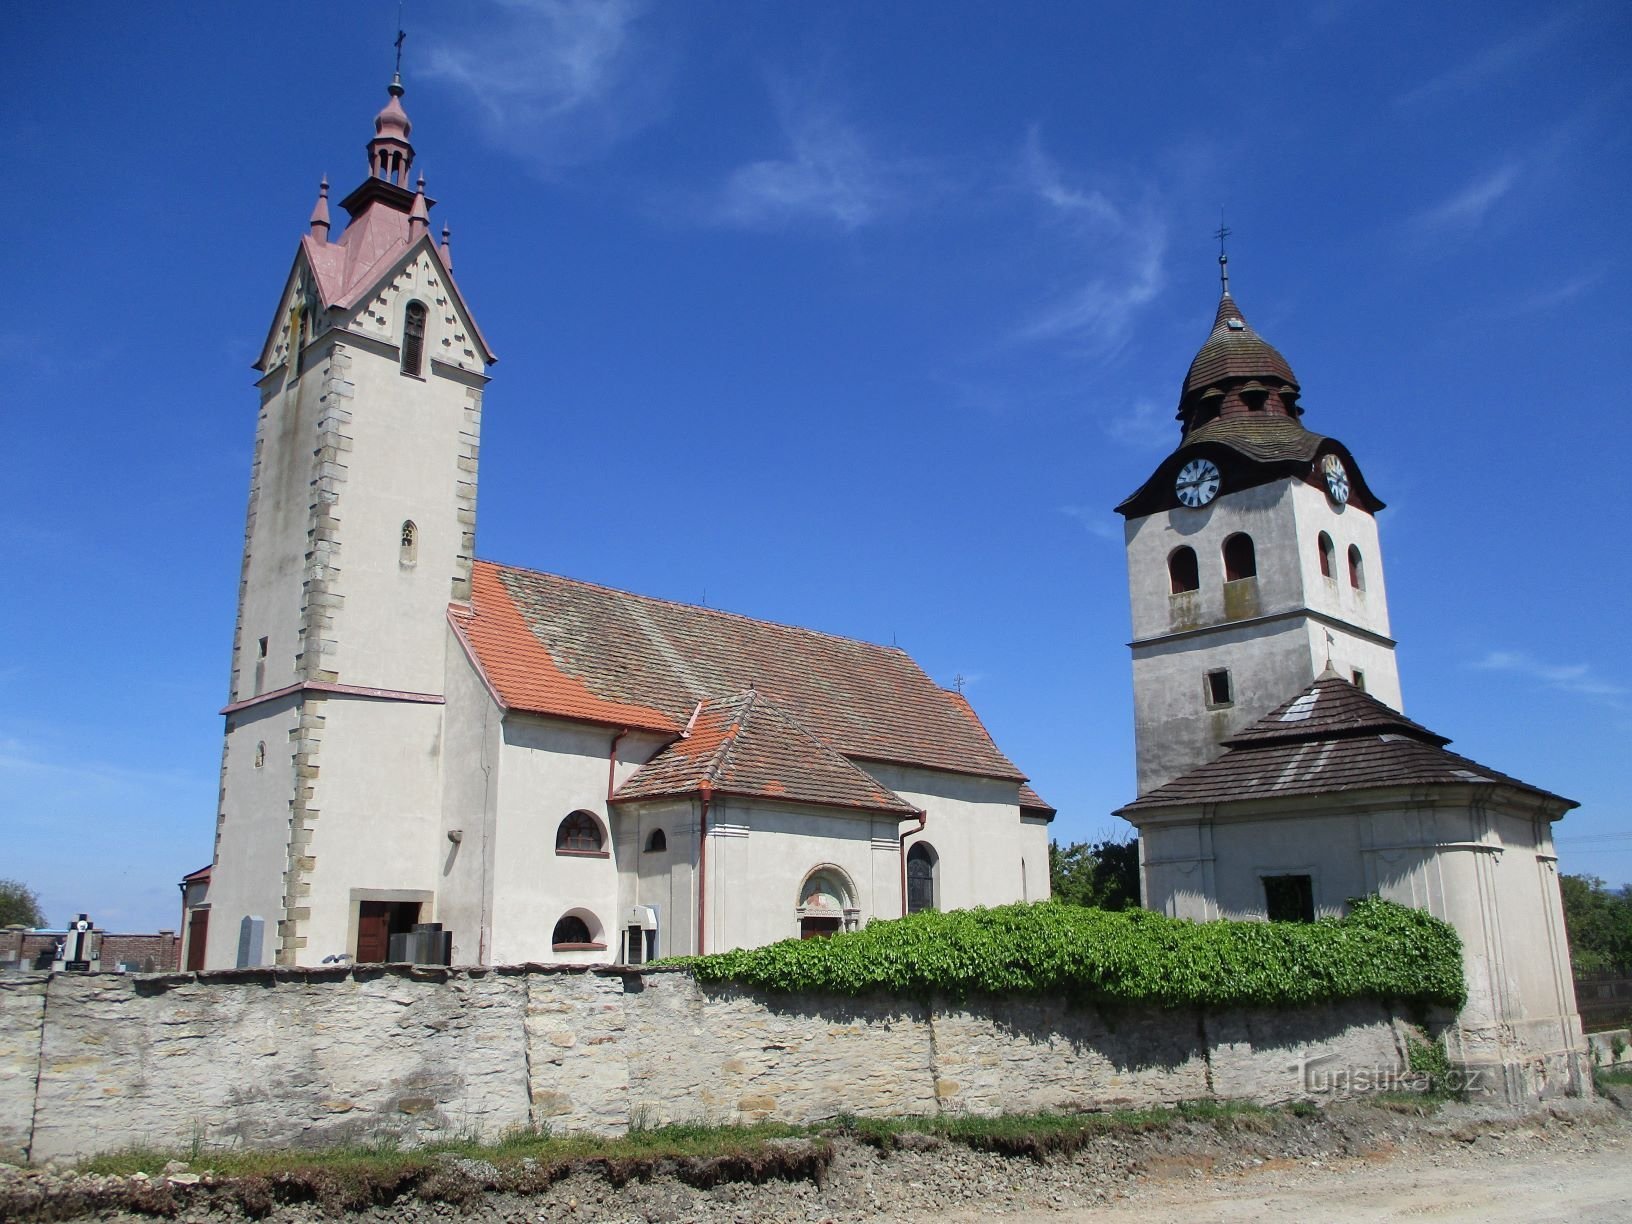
1380, 950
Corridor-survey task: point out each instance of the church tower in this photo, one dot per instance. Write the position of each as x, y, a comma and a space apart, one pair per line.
1253, 559
360, 531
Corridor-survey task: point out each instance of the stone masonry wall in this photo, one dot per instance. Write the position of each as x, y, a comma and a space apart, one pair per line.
293, 1057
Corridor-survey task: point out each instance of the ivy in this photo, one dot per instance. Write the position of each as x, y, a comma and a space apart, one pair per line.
1379, 950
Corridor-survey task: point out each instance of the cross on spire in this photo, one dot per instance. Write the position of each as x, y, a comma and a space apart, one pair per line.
401, 36
1221, 233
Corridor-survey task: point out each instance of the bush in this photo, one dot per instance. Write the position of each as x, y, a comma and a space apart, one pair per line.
1380, 950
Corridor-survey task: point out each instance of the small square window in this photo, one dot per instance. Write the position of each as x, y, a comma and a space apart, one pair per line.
1218, 688
1359, 679
263, 648
1289, 898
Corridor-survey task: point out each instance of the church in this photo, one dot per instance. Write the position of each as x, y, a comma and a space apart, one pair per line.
434, 757
524, 766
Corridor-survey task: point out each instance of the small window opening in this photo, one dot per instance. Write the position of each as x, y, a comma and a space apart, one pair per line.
570, 931
1357, 569
1289, 898
1240, 559
262, 648
920, 878
1359, 679
657, 842
580, 833
1328, 555
413, 338
1218, 687
1182, 571
410, 543
260, 754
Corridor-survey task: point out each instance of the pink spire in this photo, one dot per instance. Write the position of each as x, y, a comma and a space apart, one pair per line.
389, 153
320, 212
446, 251
419, 216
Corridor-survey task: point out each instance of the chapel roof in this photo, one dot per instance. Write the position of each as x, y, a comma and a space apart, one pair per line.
570, 649
1233, 350
1330, 738
747, 745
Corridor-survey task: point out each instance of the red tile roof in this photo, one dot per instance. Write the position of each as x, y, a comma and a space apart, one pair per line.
1330, 738
553, 645
746, 745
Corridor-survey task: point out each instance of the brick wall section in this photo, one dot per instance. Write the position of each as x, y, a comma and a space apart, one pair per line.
279, 1057
158, 953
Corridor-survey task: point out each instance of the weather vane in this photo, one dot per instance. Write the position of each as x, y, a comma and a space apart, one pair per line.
1222, 233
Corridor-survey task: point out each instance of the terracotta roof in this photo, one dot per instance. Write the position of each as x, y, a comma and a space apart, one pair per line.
746, 745
1031, 801
1330, 738
553, 645
203, 873
1233, 350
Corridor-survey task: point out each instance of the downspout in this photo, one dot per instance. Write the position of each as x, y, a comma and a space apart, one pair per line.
704, 793
922, 818
612, 762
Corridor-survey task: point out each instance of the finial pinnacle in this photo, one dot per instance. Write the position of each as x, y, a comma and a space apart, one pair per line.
1221, 234
396, 77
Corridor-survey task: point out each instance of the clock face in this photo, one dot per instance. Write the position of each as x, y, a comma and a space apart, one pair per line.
1197, 483
1337, 479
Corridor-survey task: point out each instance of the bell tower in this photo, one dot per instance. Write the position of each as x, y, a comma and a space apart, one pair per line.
1253, 559
360, 532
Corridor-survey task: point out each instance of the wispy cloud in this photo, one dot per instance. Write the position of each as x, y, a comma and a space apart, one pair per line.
1119, 246
1144, 426
1467, 208
829, 174
557, 81
1557, 295
1490, 62
1097, 522
1577, 678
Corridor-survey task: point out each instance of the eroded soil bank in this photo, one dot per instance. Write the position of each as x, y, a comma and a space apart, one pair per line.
1351, 1161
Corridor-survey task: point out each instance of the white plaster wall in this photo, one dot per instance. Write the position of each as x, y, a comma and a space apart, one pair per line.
664, 880
378, 829
549, 769
473, 726
975, 828
1034, 832
760, 853
1179, 638
252, 834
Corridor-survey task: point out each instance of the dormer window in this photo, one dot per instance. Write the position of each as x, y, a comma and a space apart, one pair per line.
413, 338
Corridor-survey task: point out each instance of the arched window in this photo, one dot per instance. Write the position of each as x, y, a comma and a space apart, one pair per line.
1328, 554
1357, 569
657, 842
413, 337
1183, 574
571, 932
409, 551
826, 903
1240, 560
579, 833
920, 878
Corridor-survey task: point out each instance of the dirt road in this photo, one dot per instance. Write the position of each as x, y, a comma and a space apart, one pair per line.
1492, 1180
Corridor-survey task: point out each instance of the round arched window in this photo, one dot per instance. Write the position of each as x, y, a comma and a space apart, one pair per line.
920, 878
658, 841
570, 930
1182, 571
579, 833
1240, 558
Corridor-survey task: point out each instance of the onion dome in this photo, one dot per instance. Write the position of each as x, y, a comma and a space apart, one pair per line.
392, 119
1236, 373
389, 154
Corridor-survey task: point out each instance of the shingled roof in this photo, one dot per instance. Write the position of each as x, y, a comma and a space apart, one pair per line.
1332, 737
746, 745
1233, 350
557, 646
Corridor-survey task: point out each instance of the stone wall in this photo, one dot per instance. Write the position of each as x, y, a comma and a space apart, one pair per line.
292, 1057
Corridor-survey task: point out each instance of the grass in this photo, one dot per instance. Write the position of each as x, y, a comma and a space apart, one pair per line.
1621, 1077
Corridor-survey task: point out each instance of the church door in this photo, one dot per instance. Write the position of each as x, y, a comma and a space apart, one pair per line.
377, 921
198, 928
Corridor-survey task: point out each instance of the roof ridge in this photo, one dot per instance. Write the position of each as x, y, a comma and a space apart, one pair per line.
728, 743
704, 608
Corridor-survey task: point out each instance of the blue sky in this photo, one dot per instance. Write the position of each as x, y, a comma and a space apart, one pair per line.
856, 316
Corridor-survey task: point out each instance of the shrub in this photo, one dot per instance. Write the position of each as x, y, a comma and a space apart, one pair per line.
1379, 950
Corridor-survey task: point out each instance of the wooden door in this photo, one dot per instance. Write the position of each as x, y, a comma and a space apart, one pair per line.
818, 928
198, 928
373, 931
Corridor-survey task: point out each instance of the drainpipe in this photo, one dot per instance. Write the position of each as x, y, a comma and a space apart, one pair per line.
612, 762
705, 792
922, 818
